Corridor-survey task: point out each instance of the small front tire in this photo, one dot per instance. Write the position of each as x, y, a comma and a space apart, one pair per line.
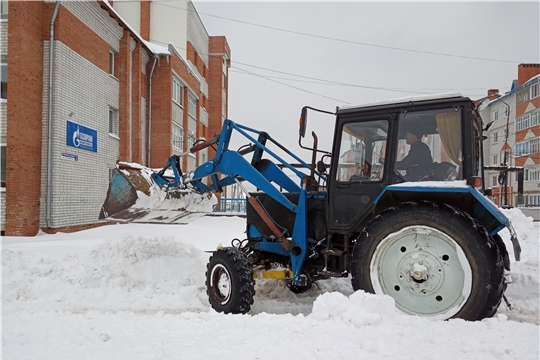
229, 281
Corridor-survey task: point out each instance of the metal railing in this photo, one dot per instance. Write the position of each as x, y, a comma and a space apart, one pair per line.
237, 205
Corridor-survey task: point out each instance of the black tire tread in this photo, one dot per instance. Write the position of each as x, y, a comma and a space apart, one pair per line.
241, 272
486, 244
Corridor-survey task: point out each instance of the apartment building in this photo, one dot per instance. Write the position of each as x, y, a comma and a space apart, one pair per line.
514, 138
88, 83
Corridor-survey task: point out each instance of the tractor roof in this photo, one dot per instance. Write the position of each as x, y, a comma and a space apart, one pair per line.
404, 100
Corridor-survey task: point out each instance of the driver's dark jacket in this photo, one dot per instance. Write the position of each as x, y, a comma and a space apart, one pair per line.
418, 162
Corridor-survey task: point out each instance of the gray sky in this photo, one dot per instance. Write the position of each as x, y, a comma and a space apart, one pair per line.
504, 31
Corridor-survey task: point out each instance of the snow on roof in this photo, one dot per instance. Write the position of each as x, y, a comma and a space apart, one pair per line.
531, 79
404, 100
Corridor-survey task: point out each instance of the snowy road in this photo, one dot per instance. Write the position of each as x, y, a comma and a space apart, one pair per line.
137, 292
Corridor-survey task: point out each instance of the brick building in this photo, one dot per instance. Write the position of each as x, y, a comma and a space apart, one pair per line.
133, 81
514, 138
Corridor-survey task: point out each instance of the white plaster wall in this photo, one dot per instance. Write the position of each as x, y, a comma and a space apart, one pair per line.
168, 24
130, 11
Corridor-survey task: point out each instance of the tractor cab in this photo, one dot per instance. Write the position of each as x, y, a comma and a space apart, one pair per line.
415, 140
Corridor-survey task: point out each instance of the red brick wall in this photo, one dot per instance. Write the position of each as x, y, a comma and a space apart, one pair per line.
123, 73
136, 93
217, 45
78, 37
145, 20
161, 147
527, 71
24, 113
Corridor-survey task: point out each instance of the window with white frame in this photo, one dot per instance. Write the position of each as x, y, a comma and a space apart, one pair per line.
113, 121
495, 115
224, 104
535, 90
191, 139
177, 136
534, 146
495, 158
192, 105
535, 117
495, 137
177, 91
522, 122
522, 148
522, 96
111, 62
494, 181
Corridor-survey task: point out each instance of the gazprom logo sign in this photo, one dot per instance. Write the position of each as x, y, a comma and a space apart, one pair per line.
81, 137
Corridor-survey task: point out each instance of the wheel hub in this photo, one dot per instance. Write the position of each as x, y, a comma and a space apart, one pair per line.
422, 268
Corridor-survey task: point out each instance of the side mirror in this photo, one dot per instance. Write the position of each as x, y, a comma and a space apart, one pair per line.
303, 122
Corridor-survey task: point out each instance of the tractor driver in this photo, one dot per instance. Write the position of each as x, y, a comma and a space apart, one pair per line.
418, 163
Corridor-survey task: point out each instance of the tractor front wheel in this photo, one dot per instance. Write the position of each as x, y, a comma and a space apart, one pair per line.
229, 281
433, 259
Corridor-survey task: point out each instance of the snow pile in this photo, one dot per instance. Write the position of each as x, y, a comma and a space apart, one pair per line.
359, 309
135, 273
524, 291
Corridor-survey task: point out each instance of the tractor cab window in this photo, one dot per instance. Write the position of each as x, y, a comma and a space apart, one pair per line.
429, 146
362, 149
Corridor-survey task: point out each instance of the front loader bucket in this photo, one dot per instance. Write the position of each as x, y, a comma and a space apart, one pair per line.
134, 197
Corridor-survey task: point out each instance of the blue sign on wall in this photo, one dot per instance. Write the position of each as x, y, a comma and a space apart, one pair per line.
81, 137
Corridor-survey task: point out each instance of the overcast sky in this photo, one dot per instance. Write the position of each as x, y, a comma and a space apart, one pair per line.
356, 44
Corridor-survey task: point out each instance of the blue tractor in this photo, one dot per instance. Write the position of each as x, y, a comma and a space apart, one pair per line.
398, 205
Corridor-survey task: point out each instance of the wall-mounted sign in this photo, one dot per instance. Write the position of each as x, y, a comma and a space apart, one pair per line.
81, 137
69, 156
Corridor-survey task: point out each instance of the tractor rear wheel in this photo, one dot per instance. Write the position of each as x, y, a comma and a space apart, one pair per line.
229, 281
433, 259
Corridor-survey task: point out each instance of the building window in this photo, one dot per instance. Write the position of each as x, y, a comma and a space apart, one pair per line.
535, 90
522, 96
534, 146
111, 63
523, 122
522, 149
178, 92
113, 121
494, 181
224, 104
191, 139
3, 69
178, 136
192, 106
4, 9
495, 162
3, 162
495, 115
495, 137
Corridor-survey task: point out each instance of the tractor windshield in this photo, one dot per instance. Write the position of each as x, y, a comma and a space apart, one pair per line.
362, 151
429, 147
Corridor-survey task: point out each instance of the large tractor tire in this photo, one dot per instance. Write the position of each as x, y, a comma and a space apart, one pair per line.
229, 281
433, 259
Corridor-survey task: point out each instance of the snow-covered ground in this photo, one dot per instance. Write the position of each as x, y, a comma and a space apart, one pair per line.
137, 292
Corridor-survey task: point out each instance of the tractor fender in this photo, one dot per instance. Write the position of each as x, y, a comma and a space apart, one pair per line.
459, 195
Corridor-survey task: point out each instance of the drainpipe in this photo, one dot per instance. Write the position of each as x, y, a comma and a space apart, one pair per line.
49, 117
150, 109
